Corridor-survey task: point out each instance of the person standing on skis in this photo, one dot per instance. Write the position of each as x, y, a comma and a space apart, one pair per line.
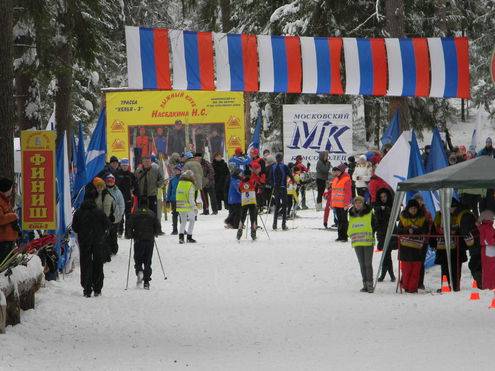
143, 227
248, 202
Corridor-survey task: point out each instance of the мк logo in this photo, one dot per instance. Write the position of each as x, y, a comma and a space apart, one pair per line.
323, 136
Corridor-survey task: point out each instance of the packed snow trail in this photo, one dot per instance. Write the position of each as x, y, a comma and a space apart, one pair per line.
289, 303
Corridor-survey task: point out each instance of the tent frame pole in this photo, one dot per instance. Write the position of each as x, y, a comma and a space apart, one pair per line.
445, 202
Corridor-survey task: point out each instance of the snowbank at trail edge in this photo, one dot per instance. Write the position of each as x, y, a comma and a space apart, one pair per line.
289, 303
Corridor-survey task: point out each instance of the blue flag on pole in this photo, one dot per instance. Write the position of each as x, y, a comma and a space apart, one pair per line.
392, 132
80, 179
64, 204
97, 148
437, 159
416, 168
257, 133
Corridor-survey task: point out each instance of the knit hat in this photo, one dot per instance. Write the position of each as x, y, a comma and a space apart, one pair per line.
351, 159
489, 141
98, 182
255, 151
418, 197
279, 157
124, 161
188, 155
487, 215
359, 198
238, 151
114, 159
5, 184
254, 165
363, 158
110, 179
412, 203
342, 167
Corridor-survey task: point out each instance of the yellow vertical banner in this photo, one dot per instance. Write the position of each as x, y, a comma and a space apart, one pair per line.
145, 123
38, 180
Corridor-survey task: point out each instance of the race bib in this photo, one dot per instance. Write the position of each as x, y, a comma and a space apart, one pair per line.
490, 251
248, 198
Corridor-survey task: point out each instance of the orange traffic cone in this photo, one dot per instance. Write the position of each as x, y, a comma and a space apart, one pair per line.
445, 284
492, 305
475, 295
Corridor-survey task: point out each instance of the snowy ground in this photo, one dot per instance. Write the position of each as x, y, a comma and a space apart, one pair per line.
289, 303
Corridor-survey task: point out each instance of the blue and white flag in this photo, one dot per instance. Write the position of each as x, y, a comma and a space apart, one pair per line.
80, 179
97, 149
64, 204
257, 134
392, 132
394, 167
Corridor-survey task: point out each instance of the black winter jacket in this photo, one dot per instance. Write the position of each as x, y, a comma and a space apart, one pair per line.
90, 223
221, 173
143, 225
127, 183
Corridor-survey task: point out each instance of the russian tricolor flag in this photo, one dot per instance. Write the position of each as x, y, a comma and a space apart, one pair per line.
365, 66
148, 63
321, 65
236, 61
408, 67
279, 64
449, 67
192, 60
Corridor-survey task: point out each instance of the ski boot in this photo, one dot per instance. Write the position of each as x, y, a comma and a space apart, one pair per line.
175, 232
239, 233
181, 238
146, 285
253, 234
140, 276
97, 293
284, 227
190, 239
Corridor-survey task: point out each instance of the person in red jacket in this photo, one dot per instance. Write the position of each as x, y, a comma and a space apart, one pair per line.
376, 183
247, 187
259, 179
303, 172
487, 241
340, 199
9, 229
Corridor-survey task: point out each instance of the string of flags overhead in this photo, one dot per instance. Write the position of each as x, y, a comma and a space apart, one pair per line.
163, 59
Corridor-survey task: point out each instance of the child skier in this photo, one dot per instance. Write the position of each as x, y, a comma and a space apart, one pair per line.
234, 201
171, 194
143, 227
186, 205
248, 202
361, 230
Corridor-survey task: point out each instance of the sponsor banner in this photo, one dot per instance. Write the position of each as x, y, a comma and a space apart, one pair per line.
311, 129
38, 180
159, 123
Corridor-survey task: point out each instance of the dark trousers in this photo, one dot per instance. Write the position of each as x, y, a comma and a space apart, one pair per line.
342, 222
387, 264
175, 215
302, 192
475, 265
153, 206
365, 258
442, 258
320, 185
5, 248
209, 192
280, 203
253, 215
91, 260
143, 253
290, 204
410, 275
124, 223
111, 239
219, 195
234, 215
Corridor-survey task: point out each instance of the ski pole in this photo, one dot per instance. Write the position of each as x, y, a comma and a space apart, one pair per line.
269, 205
129, 265
160, 259
264, 227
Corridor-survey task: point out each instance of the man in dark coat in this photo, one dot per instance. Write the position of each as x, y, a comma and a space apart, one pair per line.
383, 210
221, 179
91, 225
279, 174
143, 228
127, 183
177, 138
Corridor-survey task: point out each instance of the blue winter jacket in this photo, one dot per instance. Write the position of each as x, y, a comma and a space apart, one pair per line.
234, 192
172, 189
240, 162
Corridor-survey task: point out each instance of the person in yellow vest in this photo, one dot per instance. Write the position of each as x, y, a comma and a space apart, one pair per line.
412, 222
462, 223
186, 205
362, 226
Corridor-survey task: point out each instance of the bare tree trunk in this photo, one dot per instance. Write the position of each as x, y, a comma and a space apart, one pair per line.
225, 8
394, 12
6, 90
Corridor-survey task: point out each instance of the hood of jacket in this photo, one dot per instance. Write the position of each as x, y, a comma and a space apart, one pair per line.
390, 200
356, 213
323, 155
